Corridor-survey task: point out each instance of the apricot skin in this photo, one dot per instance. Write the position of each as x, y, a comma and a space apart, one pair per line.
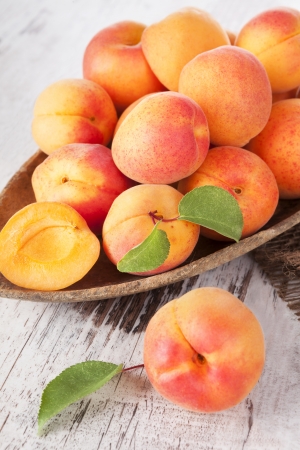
278, 145
128, 224
163, 139
248, 179
73, 111
274, 37
204, 351
127, 111
47, 246
233, 89
114, 59
85, 177
174, 41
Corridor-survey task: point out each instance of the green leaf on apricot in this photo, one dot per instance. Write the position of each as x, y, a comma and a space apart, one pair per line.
148, 255
215, 208
73, 384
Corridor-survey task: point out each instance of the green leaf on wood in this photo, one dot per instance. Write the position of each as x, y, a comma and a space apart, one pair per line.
148, 255
214, 208
73, 384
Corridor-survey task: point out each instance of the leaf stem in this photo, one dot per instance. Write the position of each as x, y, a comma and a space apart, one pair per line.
133, 367
158, 217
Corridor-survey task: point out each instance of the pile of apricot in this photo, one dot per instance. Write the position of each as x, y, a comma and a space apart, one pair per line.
161, 109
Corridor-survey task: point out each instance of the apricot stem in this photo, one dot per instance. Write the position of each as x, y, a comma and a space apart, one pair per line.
237, 190
156, 217
200, 358
140, 366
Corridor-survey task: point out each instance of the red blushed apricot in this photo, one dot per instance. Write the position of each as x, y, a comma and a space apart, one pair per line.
273, 36
163, 139
174, 41
246, 177
47, 246
85, 177
204, 351
233, 89
128, 224
278, 145
114, 59
73, 111
127, 111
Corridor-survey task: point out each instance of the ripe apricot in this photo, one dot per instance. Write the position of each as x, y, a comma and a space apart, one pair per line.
114, 59
163, 139
232, 87
73, 111
128, 223
174, 41
246, 177
204, 351
47, 246
278, 145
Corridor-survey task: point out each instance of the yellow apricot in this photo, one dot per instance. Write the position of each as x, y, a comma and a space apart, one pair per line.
47, 246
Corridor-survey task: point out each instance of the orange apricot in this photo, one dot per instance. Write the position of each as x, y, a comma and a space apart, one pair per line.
47, 246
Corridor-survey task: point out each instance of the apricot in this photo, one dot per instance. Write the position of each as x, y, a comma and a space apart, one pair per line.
163, 139
204, 351
73, 111
127, 111
233, 89
115, 60
278, 145
274, 37
174, 41
245, 176
129, 222
47, 246
85, 177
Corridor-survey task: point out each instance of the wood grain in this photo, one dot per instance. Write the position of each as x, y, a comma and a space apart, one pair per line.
127, 413
280, 259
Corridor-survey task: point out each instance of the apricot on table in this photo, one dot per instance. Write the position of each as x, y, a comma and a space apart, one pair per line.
278, 144
85, 177
233, 89
174, 41
163, 139
114, 59
130, 221
204, 351
245, 176
73, 111
47, 246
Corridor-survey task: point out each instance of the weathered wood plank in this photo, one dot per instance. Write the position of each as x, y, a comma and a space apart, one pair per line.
127, 413
280, 259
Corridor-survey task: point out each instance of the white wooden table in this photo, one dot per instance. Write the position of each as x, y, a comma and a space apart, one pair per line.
43, 41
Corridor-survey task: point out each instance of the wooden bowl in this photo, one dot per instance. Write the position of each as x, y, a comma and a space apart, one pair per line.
104, 280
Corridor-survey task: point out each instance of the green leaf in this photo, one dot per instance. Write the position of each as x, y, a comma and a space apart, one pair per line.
148, 255
214, 208
73, 384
